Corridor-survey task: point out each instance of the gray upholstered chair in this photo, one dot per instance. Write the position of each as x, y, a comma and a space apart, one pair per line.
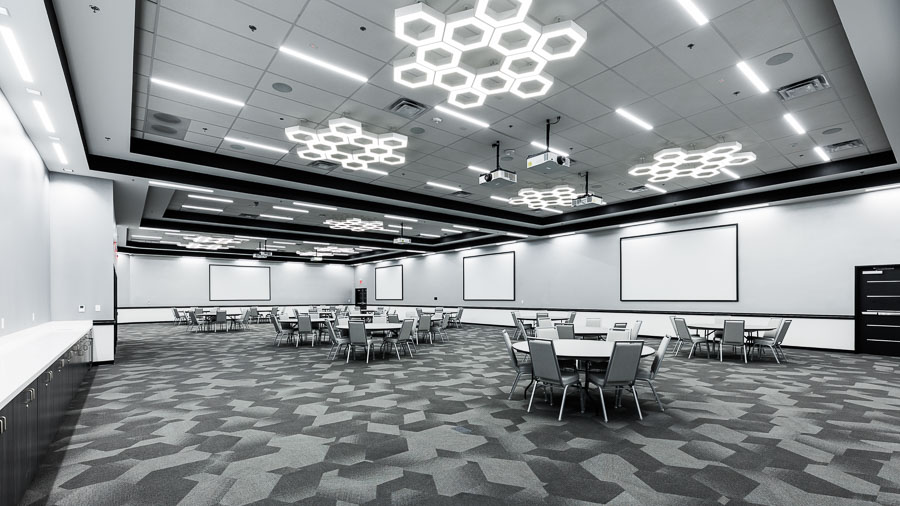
566, 331
618, 335
195, 323
221, 320
636, 330
571, 319
424, 327
456, 319
304, 327
179, 317
358, 338
254, 314
684, 335
337, 340
774, 343
394, 341
279, 330
620, 373
520, 367
546, 372
733, 335
393, 318
522, 329
648, 374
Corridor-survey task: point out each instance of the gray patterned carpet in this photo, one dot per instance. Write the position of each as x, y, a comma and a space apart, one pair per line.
229, 419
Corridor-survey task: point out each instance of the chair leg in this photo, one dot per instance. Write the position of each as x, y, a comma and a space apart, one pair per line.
603, 405
661, 408
691, 354
349, 347
562, 403
532, 399
515, 382
637, 403
744, 353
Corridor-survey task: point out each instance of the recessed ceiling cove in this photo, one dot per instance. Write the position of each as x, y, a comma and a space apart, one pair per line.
494, 48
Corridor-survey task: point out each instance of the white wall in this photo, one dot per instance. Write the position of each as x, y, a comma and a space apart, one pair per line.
146, 280
24, 228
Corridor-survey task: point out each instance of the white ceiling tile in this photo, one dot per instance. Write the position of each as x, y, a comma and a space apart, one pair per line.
144, 42
802, 65
621, 150
757, 27
179, 142
728, 85
188, 111
371, 116
375, 96
287, 11
283, 105
585, 135
143, 65
758, 108
773, 129
343, 26
611, 90
822, 116
652, 111
715, 121
745, 135
235, 17
860, 106
187, 77
548, 12
667, 21
433, 135
847, 132
590, 159
207, 129
428, 95
610, 40
652, 72
271, 118
146, 17
700, 51
647, 142
537, 116
576, 105
715, 8
188, 57
847, 81
206, 140
680, 132
263, 130
574, 70
814, 15
812, 100
305, 94
688, 99
793, 144
832, 47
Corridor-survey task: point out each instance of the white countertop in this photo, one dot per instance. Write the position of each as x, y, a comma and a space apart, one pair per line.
26, 354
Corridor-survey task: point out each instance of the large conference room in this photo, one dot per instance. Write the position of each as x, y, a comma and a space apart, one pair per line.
449, 252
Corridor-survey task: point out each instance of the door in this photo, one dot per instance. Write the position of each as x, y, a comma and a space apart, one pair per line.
878, 310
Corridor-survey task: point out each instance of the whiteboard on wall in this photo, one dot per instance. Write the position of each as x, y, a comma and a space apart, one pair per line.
490, 277
389, 283
239, 282
696, 265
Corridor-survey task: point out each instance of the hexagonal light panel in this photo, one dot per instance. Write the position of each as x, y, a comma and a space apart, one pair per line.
346, 142
465, 31
561, 196
418, 24
560, 40
672, 163
502, 25
354, 225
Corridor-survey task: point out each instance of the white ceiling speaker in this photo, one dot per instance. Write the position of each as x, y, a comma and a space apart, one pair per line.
521, 44
673, 163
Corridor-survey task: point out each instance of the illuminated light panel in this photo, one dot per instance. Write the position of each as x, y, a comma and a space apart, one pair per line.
501, 199
317, 243
60, 154
822, 154
554, 236
634, 119
478, 169
353, 225
168, 231
885, 187
212, 199
285, 243
315, 206
550, 209
561, 195
694, 12
374, 171
33, 91
752, 77
451, 231
324, 64
464, 227
443, 45
195, 91
16, 53
256, 145
730, 173
656, 188
346, 142
147, 237
276, 217
404, 227
444, 186
672, 163
429, 235
464, 117
201, 208
401, 218
791, 120
176, 186
291, 209
513, 234
45, 118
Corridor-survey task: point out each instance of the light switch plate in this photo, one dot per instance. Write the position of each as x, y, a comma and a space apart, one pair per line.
97, 307
81, 308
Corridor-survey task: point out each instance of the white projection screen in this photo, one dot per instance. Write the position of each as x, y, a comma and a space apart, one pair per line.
239, 282
389, 283
490, 277
696, 265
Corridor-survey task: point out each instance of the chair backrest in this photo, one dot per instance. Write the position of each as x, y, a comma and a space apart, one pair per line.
515, 318
618, 335
175, 313
636, 329
734, 332
342, 320
521, 327
593, 322
358, 332
406, 329
424, 322
245, 318
544, 322
393, 318
193, 316
782, 331
543, 361
331, 332
681, 329
459, 314
304, 324
254, 311
445, 320
276, 324
672, 322
221, 316
542, 314
624, 362
659, 356
509, 349
297, 314
379, 319
566, 331
571, 317
546, 333
419, 311
773, 322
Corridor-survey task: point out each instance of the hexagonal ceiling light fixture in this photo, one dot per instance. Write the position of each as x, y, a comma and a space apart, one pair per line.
672, 163
346, 142
443, 44
354, 225
561, 196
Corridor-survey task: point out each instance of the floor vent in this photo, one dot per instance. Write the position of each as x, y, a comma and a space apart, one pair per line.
842, 146
802, 88
407, 108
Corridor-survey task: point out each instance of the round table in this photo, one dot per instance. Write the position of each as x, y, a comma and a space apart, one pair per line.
581, 350
373, 327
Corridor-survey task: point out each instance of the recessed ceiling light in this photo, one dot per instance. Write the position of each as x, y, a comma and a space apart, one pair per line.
60, 154
176, 186
66, 169
501, 199
466, 228
148, 237
822, 154
464, 117
256, 145
791, 120
45, 118
551, 149
634, 119
635, 224
730, 173
213, 199
273, 246
656, 188
276, 217
742, 208
429, 235
33, 91
451, 231
374, 171
513, 234
551, 210
319, 243
249, 237
286, 243
752, 77
444, 186
404, 227
885, 187
315, 206
16, 52
166, 230
694, 12
195, 91
401, 218
291, 209
201, 208
478, 169
324, 64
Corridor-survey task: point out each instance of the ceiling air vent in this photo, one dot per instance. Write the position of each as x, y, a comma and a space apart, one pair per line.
462, 194
407, 108
324, 165
637, 189
804, 87
841, 146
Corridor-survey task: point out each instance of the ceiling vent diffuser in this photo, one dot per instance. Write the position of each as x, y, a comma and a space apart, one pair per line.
324, 165
637, 189
802, 88
842, 146
407, 108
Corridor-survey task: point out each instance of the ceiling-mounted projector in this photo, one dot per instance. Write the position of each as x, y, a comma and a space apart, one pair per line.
588, 200
498, 176
402, 240
547, 160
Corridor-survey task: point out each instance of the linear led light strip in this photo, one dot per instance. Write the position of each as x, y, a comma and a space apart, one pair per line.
212, 199
195, 91
201, 208
792, 121
694, 12
444, 186
464, 117
16, 53
256, 145
322, 63
45, 118
752, 77
176, 186
291, 209
634, 119
315, 206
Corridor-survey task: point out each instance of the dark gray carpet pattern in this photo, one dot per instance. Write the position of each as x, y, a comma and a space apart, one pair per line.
229, 419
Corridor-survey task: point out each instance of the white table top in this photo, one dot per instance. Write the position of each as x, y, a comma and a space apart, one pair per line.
574, 348
532, 315
373, 326
26, 354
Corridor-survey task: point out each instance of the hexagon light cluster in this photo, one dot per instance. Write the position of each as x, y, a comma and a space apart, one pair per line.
345, 142
561, 196
671, 163
523, 45
354, 225
328, 251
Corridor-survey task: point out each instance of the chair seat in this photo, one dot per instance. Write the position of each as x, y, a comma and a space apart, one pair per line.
767, 341
569, 378
697, 339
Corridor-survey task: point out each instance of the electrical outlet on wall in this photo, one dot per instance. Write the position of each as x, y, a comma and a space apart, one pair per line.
97, 308
81, 308
32, 316
2, 323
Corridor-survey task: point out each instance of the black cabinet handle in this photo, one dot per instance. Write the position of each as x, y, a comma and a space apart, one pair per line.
32, 395
2, 424
49, 377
